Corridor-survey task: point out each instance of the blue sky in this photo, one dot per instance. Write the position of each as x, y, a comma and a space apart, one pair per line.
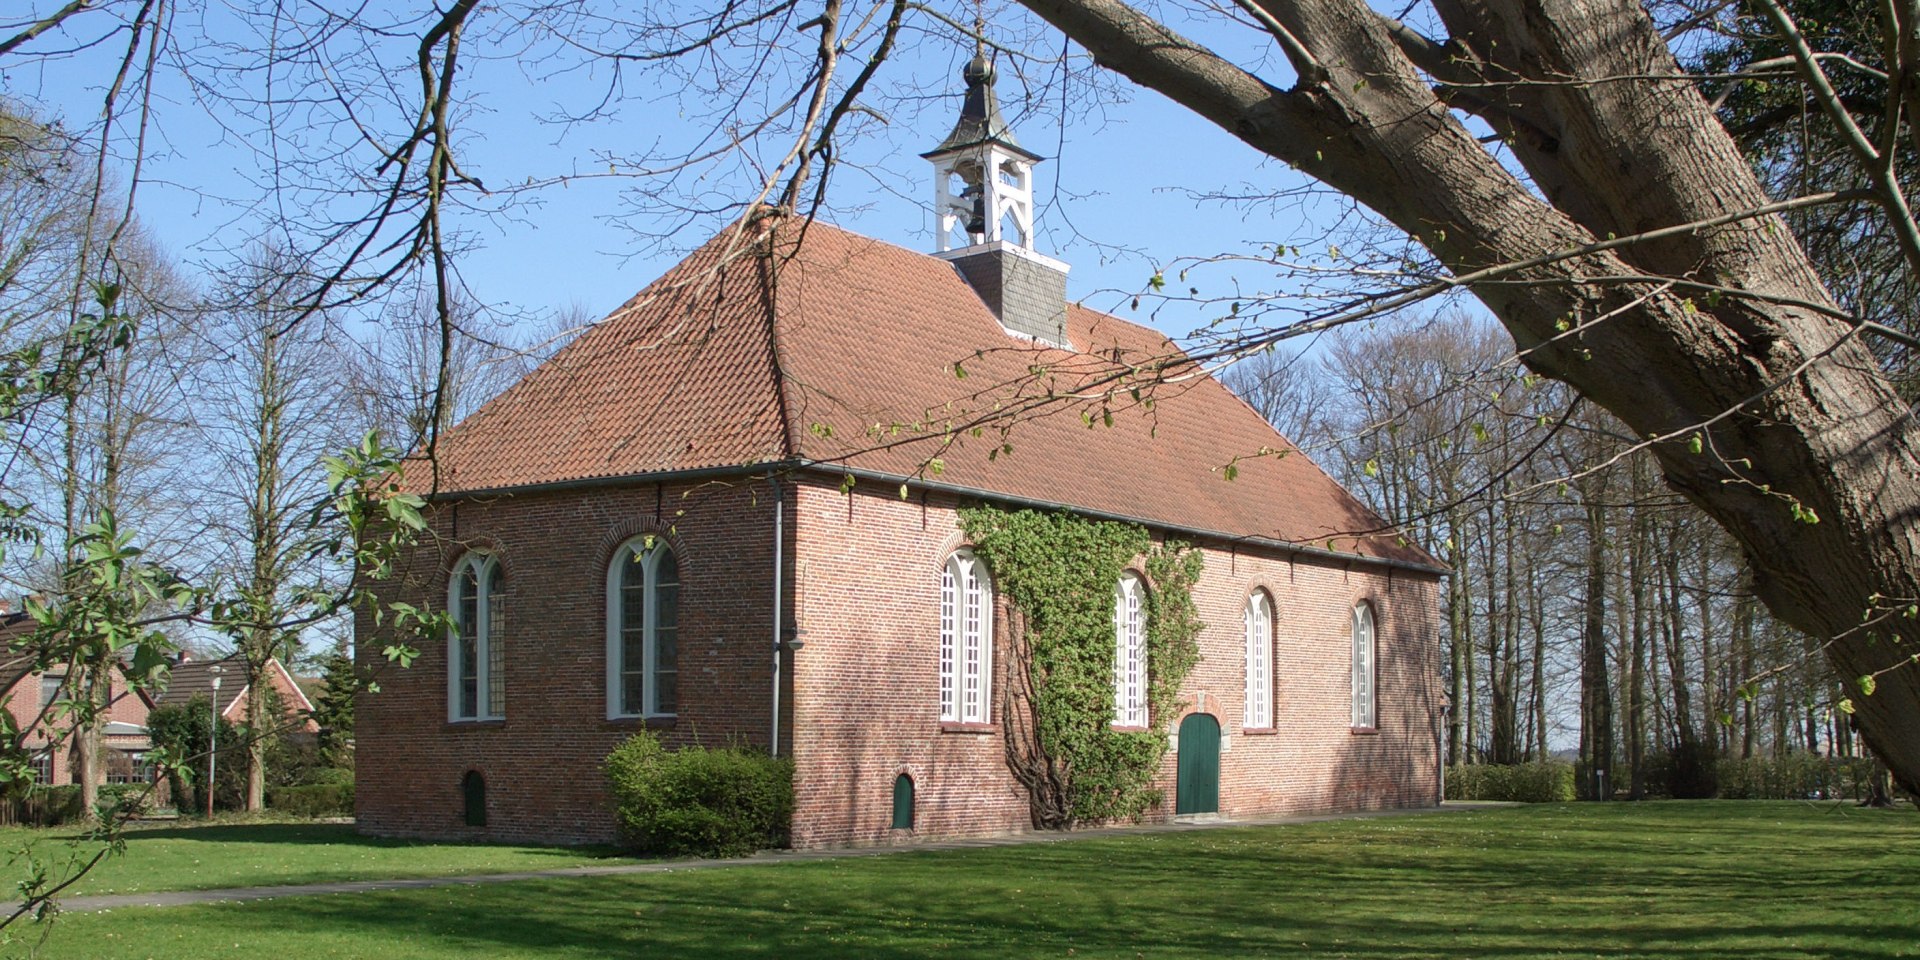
1117, 189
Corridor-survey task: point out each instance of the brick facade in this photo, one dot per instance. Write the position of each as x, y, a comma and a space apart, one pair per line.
541, 763
861, 576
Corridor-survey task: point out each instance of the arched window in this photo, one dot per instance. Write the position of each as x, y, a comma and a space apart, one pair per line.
1364, 710
1129, 652
476, 657
1259, 699
903, 802
966, 641
643, 630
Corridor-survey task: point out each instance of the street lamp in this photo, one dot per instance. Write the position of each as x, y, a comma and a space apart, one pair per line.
213, 734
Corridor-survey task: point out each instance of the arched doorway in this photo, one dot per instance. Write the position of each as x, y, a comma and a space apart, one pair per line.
1197, 784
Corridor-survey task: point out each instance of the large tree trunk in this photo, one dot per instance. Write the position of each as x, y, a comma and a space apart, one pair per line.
1819, 431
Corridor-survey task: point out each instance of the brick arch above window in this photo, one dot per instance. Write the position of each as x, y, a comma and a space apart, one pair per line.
457, 551
618, 536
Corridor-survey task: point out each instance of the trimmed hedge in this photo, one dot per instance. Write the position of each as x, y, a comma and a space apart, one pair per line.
312, 800
698, 801
1796, 776
1550, 782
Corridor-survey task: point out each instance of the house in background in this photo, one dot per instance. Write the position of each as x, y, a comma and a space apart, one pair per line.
124, 738
33, 702
190, 678
729, 513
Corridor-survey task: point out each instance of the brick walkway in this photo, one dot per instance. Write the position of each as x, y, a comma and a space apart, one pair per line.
185, 897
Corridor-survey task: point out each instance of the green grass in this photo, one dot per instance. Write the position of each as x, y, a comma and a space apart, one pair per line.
1659, 880
261, 854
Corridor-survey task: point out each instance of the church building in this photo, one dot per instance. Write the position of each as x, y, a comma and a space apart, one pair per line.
728, 513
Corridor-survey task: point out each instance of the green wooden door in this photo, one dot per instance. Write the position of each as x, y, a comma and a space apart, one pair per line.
1196, 789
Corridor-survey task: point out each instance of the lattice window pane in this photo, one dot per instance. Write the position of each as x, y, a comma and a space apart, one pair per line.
949, 628
466, 666
496, 632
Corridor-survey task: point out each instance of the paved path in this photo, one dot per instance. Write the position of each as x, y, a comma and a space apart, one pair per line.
184, 897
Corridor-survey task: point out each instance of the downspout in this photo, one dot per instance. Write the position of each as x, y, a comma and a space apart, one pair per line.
779, 583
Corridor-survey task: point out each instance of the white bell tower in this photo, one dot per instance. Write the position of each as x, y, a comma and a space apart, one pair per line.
982, 177
983, 200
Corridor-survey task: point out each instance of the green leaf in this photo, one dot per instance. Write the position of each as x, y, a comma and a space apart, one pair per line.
1867, 684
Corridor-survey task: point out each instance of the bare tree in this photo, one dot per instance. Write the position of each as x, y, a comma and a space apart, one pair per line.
270, 413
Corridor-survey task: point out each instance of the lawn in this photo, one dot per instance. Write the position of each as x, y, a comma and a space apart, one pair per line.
260, 854
1659, 880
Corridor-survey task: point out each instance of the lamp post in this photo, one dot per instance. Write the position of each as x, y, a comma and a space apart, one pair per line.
213, 734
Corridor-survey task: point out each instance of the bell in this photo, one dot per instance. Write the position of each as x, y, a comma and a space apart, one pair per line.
977, 224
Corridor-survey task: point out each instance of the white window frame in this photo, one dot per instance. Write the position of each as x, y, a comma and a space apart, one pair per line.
1258, 709
1130, 652
966, 640
482, 565
649, 548
1366, 707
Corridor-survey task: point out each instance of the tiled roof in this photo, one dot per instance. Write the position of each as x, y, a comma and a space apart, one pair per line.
194, 678
811, 343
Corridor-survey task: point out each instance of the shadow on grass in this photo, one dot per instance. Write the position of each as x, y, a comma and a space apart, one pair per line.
1642, 882
321, 834
334, 834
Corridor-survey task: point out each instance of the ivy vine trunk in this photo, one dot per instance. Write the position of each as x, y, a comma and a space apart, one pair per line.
1058, 572
1721, 331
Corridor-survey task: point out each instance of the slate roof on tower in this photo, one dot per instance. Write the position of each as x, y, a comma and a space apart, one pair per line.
795, 342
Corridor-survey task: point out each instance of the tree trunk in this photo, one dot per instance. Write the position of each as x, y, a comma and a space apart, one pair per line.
1637, 683
1819, 432
1596, 699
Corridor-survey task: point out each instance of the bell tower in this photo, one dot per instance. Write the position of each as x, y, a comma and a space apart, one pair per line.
983, 204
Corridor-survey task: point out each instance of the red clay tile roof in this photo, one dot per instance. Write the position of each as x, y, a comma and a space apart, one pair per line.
811, 343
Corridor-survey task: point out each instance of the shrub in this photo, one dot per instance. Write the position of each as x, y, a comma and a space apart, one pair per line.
1692, 771
119, 796
1549, 782
1796, 776
697, 801
45, 806
312, 800
182, 730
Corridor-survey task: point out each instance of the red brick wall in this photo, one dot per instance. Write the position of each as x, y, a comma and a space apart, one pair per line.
863, 582
542, 762
868, 695
125, 706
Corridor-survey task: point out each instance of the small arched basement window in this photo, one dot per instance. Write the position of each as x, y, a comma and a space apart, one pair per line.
903, 802
473, 795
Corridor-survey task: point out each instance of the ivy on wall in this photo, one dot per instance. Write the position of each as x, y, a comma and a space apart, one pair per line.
1058, 572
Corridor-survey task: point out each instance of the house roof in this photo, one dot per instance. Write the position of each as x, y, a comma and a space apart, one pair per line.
793, 341
194, 678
